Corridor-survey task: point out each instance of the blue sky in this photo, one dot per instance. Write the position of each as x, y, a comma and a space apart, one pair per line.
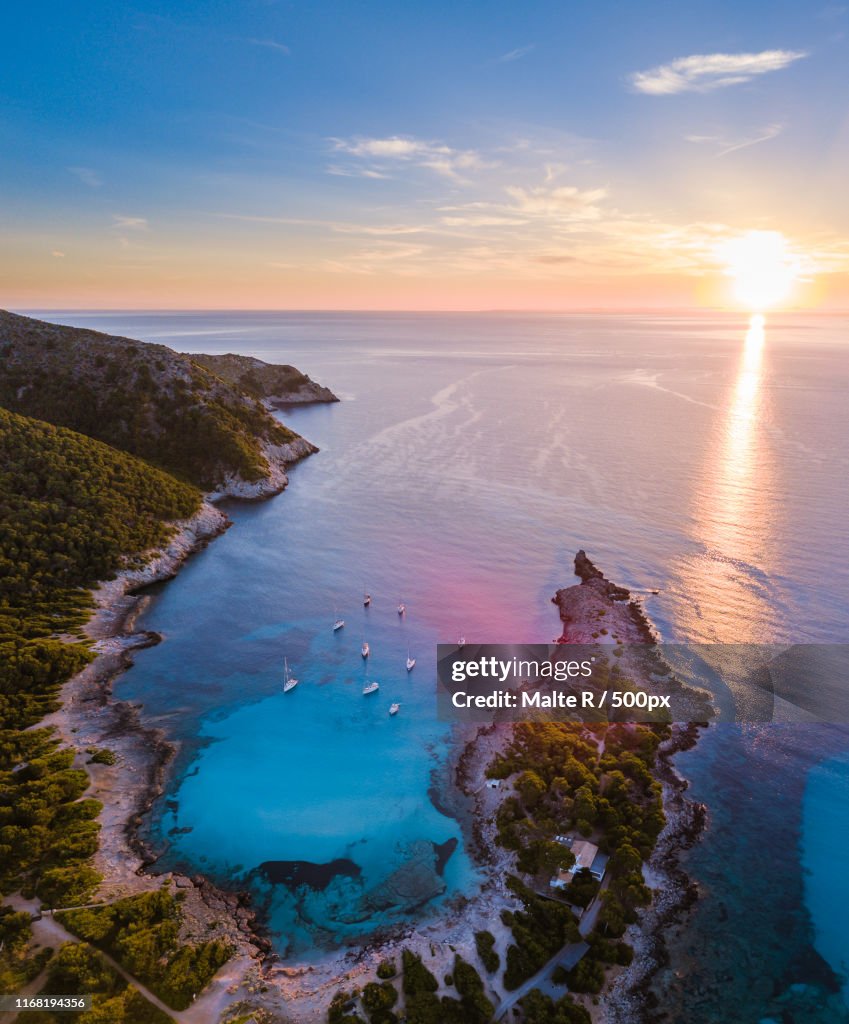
411, 155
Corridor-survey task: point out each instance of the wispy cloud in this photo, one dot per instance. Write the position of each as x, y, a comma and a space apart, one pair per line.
517, 54
271, 44
564, 202
434, 156
129, 223
58, 254
724, 146
87, 176
708, 71
356, 172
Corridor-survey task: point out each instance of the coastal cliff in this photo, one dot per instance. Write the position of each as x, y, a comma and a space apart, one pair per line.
153, 402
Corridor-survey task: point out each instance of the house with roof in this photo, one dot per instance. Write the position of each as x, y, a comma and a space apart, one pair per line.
587, 856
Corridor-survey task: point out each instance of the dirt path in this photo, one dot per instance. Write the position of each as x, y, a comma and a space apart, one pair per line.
206, 1009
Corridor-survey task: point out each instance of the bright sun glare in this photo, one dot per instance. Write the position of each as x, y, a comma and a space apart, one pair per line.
762, 269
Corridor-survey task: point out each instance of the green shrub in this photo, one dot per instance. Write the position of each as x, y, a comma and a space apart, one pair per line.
386, 969
485, 945
101, 755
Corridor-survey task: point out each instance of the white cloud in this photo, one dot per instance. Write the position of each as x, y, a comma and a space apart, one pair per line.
58, 254
564, 202
725, 146
87, 176
517, 54
434, 156
705, 72
395, 147
129, 223
271, 44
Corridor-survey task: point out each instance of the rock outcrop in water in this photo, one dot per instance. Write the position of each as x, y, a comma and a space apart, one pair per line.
595, 605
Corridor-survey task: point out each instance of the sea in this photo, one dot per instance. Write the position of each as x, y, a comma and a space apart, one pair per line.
703, 456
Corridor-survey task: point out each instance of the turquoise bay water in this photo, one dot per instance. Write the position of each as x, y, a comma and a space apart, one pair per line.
470, 458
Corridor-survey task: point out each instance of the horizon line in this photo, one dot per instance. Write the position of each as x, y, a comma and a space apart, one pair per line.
482, 311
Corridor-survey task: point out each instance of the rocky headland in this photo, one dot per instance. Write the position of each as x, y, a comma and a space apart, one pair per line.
276, 385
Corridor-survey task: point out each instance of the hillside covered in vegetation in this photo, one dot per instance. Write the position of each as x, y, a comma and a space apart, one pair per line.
72, 511
144, 399
276, 385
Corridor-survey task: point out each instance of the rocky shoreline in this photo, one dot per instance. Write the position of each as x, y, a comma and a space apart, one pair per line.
91, 717
630, 999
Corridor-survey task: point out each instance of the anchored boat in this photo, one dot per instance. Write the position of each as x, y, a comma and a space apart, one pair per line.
288, 682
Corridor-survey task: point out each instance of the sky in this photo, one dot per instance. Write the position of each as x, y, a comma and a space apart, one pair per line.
382, 155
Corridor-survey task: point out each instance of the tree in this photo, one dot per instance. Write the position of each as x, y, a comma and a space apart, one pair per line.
531, 788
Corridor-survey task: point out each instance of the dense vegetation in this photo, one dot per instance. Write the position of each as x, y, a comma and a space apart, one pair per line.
263, 380
144, 399
17, 966
421, 1004
539, 931
78, 969
70, 508
142, 934
538, 1008
485, 945
73, 511
598, 781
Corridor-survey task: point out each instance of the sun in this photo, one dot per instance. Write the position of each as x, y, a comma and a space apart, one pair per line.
762, 268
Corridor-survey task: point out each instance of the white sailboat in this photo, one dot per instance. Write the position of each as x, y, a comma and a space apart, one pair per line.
394, 709
337, 622
411, 662
370, 688
401, 608
366, 599
365, 649
462, 641
288, 682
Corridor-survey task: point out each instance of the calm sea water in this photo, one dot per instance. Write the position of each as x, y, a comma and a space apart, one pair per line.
470, 457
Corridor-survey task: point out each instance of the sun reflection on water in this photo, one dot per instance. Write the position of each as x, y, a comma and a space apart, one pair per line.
726, 580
